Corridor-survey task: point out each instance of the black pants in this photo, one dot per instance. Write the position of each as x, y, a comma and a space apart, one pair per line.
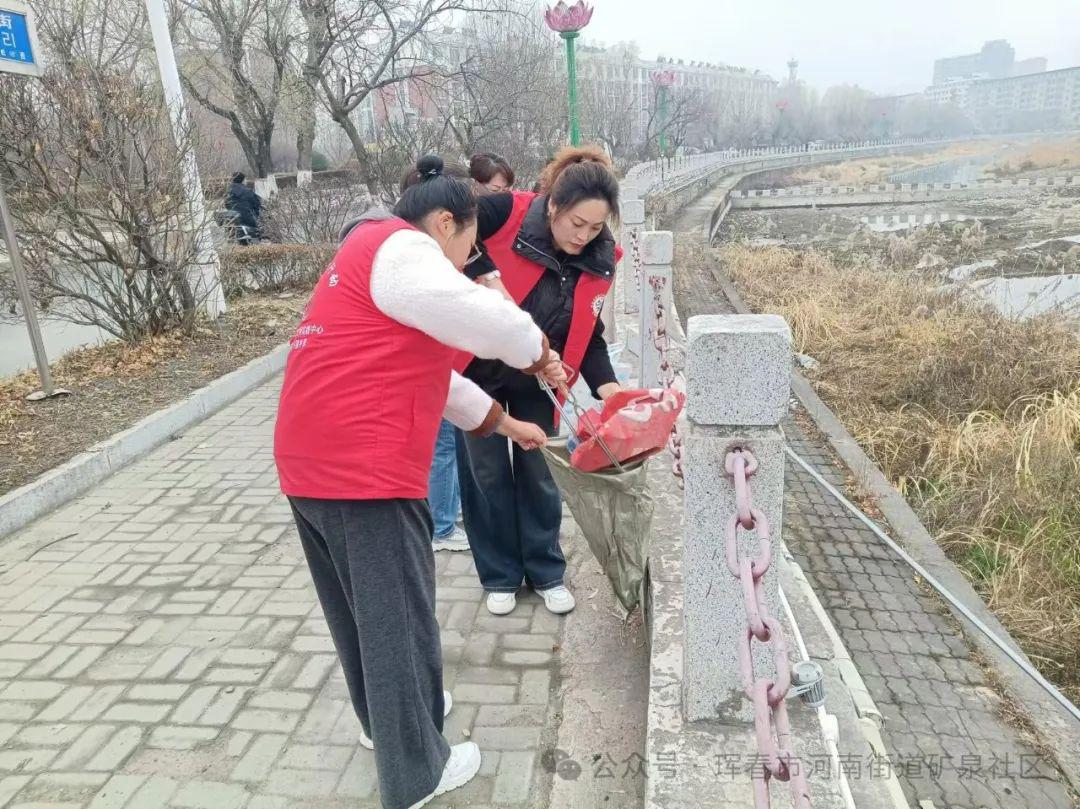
509, 501
374, 572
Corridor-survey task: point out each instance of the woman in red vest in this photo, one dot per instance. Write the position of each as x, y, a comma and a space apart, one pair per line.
555, 257
368, 379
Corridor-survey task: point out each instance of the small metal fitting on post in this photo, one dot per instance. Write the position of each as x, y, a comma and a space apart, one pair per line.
808, 683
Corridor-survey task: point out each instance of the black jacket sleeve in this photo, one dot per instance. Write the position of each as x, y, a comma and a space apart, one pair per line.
596, 364
492, 211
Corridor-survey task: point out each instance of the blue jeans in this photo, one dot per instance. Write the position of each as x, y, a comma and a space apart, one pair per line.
512, 507
444, 493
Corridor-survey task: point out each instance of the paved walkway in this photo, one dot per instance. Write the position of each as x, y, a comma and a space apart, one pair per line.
947, 741
161, 646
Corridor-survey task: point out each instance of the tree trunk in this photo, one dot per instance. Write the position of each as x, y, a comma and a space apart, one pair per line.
265, 157
315, 18
359, 149
305, 134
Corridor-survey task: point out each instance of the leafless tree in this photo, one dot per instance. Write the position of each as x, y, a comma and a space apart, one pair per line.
317, 16
796, 117
98, 195
611, 109
737, 119
355, 48
506, 95
685, 113
399, 145
235, 63
846, 111
94, 34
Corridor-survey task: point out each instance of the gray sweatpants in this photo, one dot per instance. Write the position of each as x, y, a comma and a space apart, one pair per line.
374, 571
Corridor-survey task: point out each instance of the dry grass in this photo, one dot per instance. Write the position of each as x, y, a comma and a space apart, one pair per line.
874, 170
975, 417
1060, 154
854, 172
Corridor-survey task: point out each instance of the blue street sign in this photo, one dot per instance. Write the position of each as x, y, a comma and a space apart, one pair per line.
18, 40
15, 38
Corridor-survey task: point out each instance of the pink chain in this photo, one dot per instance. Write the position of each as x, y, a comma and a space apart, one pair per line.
743, 507
771, 726
667, 370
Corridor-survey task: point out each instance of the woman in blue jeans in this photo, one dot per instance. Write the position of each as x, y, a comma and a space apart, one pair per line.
444, 493
553, 254
492, 174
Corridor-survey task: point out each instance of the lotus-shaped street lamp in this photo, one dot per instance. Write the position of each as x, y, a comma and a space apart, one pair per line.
568, 21
664, 78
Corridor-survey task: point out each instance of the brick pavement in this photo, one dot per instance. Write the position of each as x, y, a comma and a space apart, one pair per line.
161, 646
942, 722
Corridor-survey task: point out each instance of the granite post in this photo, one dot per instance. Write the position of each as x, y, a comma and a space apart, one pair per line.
738, 372
657, 253
632, 211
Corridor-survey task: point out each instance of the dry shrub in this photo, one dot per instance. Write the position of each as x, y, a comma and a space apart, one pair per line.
972, 240
273, 267
903, 250
313, 214
975, 417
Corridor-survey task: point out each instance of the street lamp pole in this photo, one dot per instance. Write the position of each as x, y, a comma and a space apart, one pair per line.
663, 121
663, 79
571, 86
568, 21
206, 256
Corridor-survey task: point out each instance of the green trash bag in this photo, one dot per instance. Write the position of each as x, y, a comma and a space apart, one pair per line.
614, 511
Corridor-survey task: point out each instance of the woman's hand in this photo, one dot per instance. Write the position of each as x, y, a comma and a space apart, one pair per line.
554, 373
523, 433
608, 390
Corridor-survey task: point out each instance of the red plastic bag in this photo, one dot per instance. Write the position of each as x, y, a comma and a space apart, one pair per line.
634, 424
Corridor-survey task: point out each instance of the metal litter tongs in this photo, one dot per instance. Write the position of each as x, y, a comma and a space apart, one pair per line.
580, 413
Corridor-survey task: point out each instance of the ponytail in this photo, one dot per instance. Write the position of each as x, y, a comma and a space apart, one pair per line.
429, 188
579, 173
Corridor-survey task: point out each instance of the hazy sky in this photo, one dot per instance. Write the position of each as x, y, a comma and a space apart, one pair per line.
888, 47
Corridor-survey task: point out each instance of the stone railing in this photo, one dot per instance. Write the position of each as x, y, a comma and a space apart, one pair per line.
669, 185
666, 174
978, 185
710, 644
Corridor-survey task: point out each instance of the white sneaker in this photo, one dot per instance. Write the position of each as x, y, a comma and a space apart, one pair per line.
462, 766
456, 541
558, 600
501, 603
448, 703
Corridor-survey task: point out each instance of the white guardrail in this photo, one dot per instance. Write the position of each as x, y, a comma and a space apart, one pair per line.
667, 174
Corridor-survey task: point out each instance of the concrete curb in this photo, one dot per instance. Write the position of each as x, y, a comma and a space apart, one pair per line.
1057, 729
58, 486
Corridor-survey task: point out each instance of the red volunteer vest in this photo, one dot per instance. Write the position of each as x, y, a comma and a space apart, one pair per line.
520, 275
363, 394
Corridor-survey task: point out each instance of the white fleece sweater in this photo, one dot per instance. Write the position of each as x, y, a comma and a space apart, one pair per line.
414, 283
